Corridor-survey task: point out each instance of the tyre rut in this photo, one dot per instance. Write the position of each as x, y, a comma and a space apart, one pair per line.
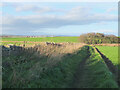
78, 76
110, 65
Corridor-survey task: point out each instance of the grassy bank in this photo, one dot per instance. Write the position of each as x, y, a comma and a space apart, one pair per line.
95, 73
55, 67
41, 66
112, 53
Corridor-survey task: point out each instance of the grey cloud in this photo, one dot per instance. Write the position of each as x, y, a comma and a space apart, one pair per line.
76, 16
36, 9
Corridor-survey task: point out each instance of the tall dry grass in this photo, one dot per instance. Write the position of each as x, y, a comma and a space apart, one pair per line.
33, 60
53, 53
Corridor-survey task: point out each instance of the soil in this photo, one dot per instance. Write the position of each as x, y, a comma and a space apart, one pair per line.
107, 45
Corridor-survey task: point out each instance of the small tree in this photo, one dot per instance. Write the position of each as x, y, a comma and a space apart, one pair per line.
98, 38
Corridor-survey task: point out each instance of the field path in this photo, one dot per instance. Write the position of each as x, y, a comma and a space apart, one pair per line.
88, 73
79, 75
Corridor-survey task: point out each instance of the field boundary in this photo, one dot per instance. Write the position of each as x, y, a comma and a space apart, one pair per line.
110, 65
85, 79
22, 41
107, 44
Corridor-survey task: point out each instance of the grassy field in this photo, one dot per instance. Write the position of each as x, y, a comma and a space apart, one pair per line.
56, 67
16, 43
44, 39
110, 52
113, 54
71, 65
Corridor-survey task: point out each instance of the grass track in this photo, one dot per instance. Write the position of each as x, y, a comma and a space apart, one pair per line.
57, 76
94, 74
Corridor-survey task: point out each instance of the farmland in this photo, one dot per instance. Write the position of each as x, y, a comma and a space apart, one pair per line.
37, 40
111, 52
43, 39
52, 66
63, 44
57, 62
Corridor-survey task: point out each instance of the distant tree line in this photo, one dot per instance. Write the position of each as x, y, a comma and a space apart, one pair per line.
98, 38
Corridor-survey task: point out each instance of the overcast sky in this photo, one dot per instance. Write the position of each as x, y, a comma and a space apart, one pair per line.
63, 18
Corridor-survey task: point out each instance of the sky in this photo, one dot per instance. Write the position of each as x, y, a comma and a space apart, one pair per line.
59, 18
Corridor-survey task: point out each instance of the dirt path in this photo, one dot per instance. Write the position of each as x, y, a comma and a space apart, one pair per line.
107, 44
79, 75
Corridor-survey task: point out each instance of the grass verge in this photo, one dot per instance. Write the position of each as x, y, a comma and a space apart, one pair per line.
95, 73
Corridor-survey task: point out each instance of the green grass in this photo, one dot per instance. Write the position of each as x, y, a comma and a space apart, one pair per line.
31, 74
110, 52
113, 55
96, 74
36, 73
17, 44
44, 39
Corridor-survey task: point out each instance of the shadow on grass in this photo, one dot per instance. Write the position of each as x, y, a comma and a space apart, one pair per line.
27, 68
